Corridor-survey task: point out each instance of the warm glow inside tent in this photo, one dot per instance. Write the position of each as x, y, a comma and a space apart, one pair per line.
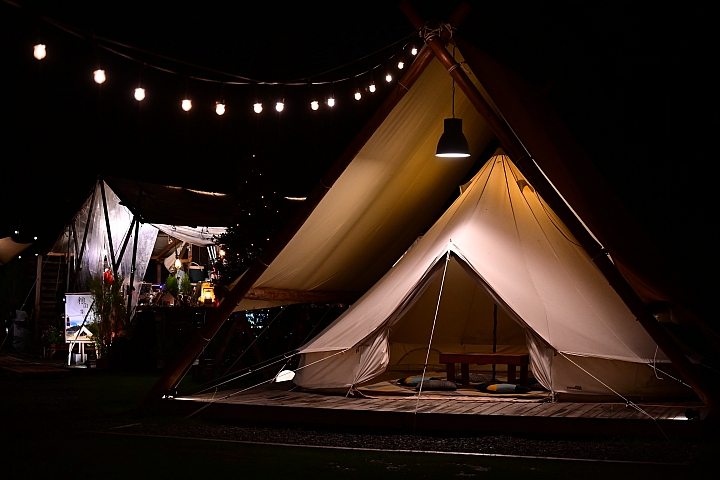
498, 244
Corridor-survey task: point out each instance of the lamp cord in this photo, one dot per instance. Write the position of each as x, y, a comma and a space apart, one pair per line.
453, 83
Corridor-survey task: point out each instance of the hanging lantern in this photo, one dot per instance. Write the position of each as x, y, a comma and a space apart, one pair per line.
220, 108
257, 108
372, 88
358, 96
331, 102
187, 104
314, 105
279, 106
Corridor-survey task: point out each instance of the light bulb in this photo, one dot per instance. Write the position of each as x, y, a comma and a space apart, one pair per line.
219, 108
279, 106
257, 108
388, 78
139, 94
222, 252
331, 102
39, 51
314, 105
414, 51
358, 96
186, 105
99, 76
372, 88
178, 263
401, 64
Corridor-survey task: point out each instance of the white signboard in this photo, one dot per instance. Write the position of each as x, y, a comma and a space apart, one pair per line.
76, 307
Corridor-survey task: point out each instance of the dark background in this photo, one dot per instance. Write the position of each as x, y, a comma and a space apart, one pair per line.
604, 65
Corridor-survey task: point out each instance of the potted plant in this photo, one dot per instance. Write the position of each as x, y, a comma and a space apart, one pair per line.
51, 338
109, 312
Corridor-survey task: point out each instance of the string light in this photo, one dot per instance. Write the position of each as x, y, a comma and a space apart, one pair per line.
39, 51
99, 76
139, 94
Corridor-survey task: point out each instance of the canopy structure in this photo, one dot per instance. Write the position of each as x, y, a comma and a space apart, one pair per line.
10, 249
498, 244
111, 232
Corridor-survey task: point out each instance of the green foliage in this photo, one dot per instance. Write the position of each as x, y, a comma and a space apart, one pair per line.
185, 285
109, 310
52, 335
171, 285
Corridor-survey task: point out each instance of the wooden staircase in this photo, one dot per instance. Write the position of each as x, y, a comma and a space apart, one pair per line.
50, 290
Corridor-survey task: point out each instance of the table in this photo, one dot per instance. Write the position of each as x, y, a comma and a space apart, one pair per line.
465, 359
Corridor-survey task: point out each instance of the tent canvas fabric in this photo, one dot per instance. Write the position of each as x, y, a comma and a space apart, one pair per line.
9, 249
392, 191
503, 245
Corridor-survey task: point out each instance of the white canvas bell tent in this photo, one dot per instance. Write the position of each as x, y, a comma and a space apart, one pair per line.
499, 243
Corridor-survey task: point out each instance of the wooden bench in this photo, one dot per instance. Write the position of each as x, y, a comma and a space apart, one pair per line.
465, 359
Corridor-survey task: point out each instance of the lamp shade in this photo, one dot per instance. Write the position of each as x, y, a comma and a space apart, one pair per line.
452, 143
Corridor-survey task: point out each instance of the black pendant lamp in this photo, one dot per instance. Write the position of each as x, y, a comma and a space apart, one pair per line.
452, 143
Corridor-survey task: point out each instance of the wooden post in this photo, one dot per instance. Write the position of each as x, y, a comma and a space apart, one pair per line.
109, 232
38, 290
522, 159
124, 243
132, 269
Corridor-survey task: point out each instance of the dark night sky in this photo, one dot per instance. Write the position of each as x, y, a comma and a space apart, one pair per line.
602, 62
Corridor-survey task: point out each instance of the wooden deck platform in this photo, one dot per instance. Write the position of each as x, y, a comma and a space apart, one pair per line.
20, 368
438, 413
